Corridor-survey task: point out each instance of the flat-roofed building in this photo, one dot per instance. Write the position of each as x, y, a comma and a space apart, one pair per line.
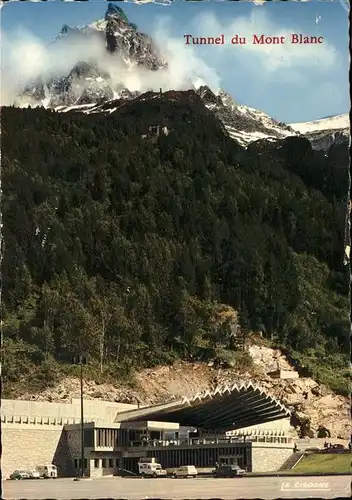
219, 419
224, 425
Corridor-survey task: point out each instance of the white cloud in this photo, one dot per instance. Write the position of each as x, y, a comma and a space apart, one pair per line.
267, 58
185, 63
27, 58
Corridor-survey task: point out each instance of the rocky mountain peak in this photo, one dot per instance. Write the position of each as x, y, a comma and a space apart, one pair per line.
91, 80
226, 99
208, 95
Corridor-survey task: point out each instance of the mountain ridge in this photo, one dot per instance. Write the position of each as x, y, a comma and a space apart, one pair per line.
334, 122
243, 123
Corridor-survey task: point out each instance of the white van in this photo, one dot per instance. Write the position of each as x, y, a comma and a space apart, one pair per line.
185, 471
150, 469
47, 471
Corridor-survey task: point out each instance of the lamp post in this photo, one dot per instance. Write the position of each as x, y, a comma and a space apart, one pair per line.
80, 360
82, 417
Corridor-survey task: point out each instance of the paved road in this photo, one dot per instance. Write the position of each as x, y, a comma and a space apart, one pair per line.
180, 489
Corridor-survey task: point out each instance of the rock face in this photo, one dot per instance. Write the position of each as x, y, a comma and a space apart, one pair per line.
323, 140
94, 80
123, 37
313, 405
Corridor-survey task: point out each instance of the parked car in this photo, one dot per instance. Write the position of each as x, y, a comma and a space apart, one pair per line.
33, 474
19, 474
185, 471
228, 471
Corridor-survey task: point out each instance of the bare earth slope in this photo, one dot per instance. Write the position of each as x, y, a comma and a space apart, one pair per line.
306, 398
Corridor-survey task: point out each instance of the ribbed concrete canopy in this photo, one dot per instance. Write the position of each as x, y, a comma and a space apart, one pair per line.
230, 407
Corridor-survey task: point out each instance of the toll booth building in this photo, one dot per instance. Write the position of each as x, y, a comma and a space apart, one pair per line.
238, 424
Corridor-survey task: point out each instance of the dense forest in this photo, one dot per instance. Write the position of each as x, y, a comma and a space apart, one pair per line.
121, 246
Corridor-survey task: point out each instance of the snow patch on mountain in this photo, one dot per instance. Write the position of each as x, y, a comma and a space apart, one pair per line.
331, 123
325, 132
244, 124
245, 138
277, 128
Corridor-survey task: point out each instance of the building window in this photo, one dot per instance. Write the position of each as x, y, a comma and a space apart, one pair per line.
96, 463
85, 463
111, 462
104, 463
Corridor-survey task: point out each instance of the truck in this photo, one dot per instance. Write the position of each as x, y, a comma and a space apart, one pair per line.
47, 471
149, 467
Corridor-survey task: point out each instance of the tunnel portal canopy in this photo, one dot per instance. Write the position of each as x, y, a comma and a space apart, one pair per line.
230, 407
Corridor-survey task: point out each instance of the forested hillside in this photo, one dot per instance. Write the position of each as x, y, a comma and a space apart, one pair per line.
128, 242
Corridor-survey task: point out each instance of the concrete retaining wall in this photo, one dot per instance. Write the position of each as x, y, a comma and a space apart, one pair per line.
267, 457
26, 447
62, 413
32, 431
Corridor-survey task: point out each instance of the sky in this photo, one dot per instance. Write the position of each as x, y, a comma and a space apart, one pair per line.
291, 83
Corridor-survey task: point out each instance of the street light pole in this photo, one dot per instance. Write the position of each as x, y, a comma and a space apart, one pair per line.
82, 419
81, 360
